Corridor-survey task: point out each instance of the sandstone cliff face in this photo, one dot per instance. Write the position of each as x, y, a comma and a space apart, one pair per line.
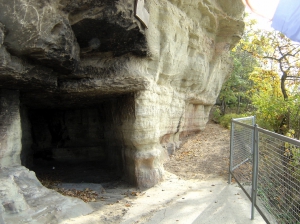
136, 91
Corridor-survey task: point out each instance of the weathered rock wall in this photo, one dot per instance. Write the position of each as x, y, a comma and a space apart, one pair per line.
188, 62
23, 199
152, 85
10, 130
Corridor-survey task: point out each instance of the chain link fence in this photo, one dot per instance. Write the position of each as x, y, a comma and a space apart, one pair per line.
266, 166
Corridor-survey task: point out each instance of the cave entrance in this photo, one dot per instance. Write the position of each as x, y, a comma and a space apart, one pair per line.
77, 145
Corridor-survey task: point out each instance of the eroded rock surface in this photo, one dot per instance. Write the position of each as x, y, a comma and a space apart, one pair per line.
98, 71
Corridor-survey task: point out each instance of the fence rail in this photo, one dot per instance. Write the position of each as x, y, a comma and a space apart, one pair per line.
266, 166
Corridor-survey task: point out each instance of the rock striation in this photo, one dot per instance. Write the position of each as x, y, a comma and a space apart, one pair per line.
88, 77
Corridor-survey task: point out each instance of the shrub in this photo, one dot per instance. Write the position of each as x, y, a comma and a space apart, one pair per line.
225, 120
217, 115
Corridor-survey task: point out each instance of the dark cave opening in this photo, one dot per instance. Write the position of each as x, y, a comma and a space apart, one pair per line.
103, 36
74, 145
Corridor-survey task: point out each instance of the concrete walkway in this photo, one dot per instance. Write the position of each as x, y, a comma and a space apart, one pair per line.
192, 202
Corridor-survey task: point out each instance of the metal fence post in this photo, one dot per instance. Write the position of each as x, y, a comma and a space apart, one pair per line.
253, 134
254, 171
231, 150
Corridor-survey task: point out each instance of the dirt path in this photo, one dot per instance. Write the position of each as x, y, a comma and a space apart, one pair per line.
202, 156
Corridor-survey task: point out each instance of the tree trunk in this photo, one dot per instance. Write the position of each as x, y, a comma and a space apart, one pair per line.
286, 117
282, 85
223, 107
239, 105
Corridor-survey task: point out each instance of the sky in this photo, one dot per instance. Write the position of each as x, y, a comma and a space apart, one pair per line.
262, 23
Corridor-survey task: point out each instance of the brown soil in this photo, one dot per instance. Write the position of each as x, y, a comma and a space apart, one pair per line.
202, 156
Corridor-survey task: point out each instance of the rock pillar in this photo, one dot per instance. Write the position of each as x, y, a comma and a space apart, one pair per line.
10, 129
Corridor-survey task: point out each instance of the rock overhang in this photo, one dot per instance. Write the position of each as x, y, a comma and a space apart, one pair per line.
158, 83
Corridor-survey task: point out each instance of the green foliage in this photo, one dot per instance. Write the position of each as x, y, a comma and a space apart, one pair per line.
270, 112
295, 162
273, 111
225, 120
265, 80
234, 91
293, 107
217, 115
267, 98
